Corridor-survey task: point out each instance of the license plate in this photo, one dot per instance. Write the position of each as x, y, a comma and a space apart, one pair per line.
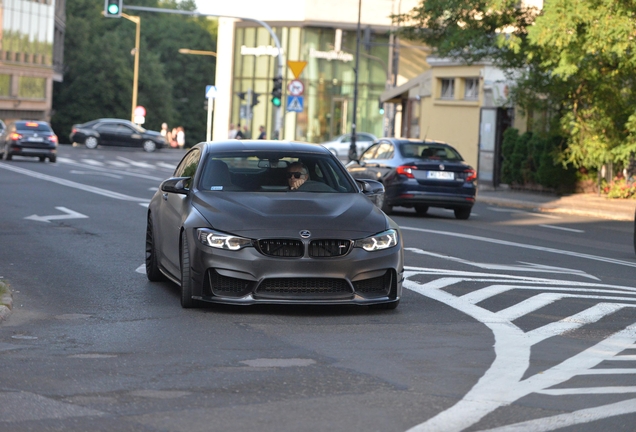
36, 139
441, 175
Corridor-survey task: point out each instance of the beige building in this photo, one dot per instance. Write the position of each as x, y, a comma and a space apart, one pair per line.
31, 57
464, 105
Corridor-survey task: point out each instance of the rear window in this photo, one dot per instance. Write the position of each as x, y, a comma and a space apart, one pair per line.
32, 126
430, 151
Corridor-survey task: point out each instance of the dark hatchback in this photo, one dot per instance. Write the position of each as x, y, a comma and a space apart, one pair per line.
29, 138
116, 132
418, 174
232, 227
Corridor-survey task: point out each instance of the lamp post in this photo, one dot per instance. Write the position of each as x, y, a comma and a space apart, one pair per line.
136, 20
353, 149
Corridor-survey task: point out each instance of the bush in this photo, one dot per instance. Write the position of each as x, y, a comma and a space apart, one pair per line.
620, 188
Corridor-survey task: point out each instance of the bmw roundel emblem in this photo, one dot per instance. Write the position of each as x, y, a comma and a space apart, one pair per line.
305, 234
442, 167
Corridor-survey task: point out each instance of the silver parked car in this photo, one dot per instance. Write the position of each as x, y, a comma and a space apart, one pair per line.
339, 146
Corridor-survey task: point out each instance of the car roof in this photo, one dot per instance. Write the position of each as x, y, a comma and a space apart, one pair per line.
263, 145
106, 120
414, 141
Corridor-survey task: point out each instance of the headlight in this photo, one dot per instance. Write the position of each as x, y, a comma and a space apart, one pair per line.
384, 240
221, 240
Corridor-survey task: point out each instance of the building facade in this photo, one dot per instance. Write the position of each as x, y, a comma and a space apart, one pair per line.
323, 34
31, 57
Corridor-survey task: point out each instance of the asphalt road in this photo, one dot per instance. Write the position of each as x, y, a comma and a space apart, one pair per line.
511, 320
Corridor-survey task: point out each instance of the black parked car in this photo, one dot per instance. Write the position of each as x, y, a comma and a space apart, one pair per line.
28, 138
248, 222
116, 132
418, 174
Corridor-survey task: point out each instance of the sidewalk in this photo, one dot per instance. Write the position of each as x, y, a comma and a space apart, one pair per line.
578, 204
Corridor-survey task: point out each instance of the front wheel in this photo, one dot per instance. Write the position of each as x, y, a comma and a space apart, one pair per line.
149, 146
91, 143
152, 260
186, 274
462, 213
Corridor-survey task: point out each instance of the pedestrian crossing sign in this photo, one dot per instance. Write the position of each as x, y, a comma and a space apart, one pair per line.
295, 103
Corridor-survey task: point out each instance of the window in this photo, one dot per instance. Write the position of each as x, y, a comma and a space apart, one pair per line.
471, 88
385, 151
5, 85
32, 88
448, 88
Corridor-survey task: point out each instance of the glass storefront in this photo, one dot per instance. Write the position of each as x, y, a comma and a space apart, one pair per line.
328, 80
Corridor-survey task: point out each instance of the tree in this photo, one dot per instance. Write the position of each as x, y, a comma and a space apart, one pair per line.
573, 60
98, 70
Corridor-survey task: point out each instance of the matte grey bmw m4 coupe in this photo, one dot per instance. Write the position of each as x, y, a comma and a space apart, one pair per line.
249, 222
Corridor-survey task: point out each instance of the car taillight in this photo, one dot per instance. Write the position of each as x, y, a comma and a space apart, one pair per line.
471, 175
53, 138
406, 170
15, 136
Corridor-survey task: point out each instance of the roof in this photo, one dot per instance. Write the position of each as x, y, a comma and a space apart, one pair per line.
264, 145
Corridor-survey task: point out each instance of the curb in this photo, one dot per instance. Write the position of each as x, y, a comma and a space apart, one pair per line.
6, 302
621, 215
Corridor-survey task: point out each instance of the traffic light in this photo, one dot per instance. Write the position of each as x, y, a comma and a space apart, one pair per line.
380, 107
277, 91
255, 100
112, 8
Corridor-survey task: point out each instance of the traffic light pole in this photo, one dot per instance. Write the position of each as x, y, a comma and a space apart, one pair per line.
136, 20
353, 149
279, 110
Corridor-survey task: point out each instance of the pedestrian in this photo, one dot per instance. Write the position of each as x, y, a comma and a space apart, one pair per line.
173, 137
164, 130
180, 137
246, 133
232, 133
239, 133
262, 135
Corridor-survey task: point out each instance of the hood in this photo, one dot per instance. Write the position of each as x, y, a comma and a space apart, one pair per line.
284, 214
152, 133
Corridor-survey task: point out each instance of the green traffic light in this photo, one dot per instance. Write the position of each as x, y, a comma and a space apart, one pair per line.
276, 101
381, 110
113, 9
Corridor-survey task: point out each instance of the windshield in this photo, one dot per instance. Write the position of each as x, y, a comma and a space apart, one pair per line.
430, 151
275, 172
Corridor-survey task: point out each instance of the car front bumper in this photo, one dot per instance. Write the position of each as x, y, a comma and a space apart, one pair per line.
248, 277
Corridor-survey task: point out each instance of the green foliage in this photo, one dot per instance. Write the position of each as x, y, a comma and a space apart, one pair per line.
620, 188
531, 159
98, 76
574, 62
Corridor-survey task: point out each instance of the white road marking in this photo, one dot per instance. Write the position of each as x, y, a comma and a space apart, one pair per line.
521, 245
504, 383
93, 162
141, 269
118, 164
72, 184
96, 173
135, 163
109, 170
70, 214
570, 419
526, 267
505, 210
166, 165
562, 228
144, 204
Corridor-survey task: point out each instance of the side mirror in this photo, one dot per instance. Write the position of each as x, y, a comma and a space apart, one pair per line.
179, 185
374, 190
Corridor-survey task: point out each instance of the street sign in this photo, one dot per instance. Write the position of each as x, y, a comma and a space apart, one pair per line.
139, 111
210, 92
296, 87
295, 103
296, 67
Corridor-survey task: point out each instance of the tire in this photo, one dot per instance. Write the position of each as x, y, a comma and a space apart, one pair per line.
186, 275
42, 159
421, 210
385, 306
152, 263
52, 159
462, 213
91, 142
149, 146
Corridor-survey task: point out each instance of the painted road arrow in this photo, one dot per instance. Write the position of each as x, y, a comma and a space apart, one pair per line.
70, 214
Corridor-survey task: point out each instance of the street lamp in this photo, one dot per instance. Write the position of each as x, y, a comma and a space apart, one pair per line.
136, 20
353, 150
